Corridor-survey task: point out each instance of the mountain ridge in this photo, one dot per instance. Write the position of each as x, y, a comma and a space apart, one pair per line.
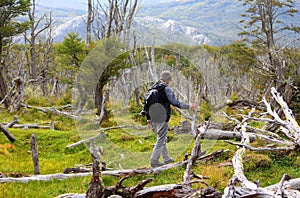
214, 22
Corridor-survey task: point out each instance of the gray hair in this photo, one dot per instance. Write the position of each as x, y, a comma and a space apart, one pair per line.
166, 76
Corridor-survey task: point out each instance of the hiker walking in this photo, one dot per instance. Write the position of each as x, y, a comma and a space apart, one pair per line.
158, 116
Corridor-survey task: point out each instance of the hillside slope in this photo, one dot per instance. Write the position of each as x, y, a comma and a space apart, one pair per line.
214, 22
217, 18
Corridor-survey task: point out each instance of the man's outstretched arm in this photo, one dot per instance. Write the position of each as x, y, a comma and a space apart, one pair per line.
175, 102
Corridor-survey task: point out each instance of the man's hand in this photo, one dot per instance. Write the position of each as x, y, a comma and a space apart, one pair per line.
192, 107
149, 122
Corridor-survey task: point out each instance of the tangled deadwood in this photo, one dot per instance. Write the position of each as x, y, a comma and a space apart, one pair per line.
239, 185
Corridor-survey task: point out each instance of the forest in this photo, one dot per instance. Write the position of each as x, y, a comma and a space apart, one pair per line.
70, 122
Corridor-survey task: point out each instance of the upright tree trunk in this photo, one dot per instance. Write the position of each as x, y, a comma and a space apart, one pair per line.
35, 154
96, 187
3, 88
32, 41
98, 97
89, 24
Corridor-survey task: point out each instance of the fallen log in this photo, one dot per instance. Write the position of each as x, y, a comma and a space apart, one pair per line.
168, 191
12, 123
84, 169
77, 170
238, 104
7, 133
247, 187
290, 148
261, 133
59, 176
30, 126
292, 184
215, 134
219, 134
251, 189
115, 173
53, 110
292, 126
159, 191
9, 125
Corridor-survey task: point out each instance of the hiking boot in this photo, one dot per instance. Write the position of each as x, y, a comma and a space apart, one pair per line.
156, 164
169, 161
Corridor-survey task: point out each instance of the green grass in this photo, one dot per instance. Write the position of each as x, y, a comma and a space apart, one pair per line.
52, 153
126, 148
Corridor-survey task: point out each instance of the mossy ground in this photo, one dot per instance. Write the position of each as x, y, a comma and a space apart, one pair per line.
268, 168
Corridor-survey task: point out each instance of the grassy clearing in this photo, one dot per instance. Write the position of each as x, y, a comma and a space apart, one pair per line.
125, 148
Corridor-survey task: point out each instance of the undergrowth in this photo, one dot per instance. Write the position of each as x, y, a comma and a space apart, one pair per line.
124, 148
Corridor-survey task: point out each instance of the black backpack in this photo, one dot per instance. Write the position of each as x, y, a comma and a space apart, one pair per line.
151, 97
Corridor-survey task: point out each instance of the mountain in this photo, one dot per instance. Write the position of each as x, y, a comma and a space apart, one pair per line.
217, 18
214, 22
165, 31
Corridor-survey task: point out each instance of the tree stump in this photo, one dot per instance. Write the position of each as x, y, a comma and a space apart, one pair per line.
35, 155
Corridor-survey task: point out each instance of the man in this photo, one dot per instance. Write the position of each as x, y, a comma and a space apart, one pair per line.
159, 115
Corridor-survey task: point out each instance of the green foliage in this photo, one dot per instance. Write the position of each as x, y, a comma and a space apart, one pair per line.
281, 163
234, 60
264, 28
267, 168
98, 66
73, 48
234, 96
205, 111
254, 161
72, 52
135, 110
9, 11
267, 16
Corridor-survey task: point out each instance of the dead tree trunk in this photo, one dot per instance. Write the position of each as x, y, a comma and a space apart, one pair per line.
35, 155
103, 112
33, 36
89, 23
7, 133
247, 188
47, 58
19, 93
9, 125
96, 187
3, 90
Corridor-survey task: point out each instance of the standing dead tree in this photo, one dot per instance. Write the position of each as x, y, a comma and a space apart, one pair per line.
96, 187
114, 18
89, 23
35, 155
16, 92
35, 31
